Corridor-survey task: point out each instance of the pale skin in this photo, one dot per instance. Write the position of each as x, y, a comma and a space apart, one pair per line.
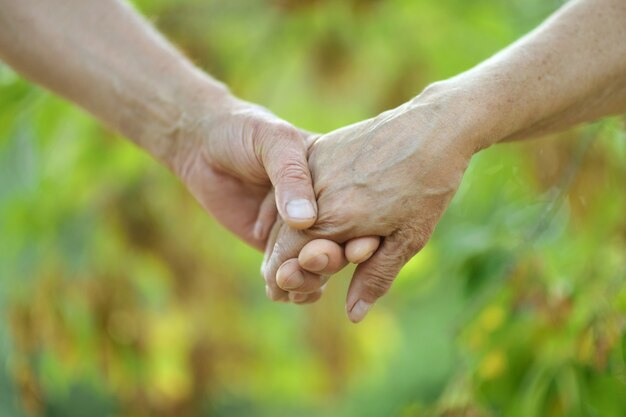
570, 70
103, 56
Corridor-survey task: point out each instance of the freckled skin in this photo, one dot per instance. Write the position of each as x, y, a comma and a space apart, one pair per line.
394, 175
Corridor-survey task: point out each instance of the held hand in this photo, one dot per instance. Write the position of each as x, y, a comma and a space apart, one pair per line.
302, 280
231, 158
391, 176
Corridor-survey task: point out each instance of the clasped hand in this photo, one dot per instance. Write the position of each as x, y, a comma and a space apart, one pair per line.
318, 202
385, 180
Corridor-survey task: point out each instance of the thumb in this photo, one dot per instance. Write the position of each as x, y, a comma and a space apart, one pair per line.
283, 152
373, 278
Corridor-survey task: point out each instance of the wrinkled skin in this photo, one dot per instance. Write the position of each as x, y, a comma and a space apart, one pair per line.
392, 176
230, 161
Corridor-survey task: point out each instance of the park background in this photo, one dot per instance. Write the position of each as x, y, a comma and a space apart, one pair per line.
120, 297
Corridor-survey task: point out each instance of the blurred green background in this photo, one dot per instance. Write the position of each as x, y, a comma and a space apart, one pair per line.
121, 297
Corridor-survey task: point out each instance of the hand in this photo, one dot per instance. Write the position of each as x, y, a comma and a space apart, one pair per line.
303, 280
231, 157
391, 176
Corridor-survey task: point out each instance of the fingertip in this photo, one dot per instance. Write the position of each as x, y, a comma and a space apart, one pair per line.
316, 255
283, 153
322, 256
361, 249
300, 213
359, 310
316, 263
289, 276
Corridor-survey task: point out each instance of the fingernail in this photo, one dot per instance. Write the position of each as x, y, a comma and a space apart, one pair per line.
300, 209
293, 281
317, 263
257, 233
359, 310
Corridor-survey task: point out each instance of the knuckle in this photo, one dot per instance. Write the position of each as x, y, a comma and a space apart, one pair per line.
341, 219
280, 129
272, 137
277, 132
417, 237
378, 283
272, 269
269, 273
418, 244
286, 247
328, 226
293, 170
382, 273
337, 219
285, 131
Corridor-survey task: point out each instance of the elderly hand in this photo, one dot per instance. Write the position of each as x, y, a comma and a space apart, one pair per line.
391, 176
230, 157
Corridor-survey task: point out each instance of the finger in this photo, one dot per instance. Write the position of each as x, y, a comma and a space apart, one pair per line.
361, 249
373, 278
270, 243
233, 193
266, 217
290, 277
273, 291
297, 298
322, 256
288, 244
283, 153
276, 295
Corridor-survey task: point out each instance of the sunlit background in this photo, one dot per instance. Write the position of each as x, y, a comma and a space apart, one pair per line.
120, 297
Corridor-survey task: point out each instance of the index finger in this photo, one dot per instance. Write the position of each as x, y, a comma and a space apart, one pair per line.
287, 244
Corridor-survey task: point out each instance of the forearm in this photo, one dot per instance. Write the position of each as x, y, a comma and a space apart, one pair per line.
571, 69
103, 56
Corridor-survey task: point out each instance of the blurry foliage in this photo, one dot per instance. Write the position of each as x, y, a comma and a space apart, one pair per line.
120, 297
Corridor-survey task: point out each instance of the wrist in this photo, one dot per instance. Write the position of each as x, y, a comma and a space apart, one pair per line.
468, 113
171, 135
457, 115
